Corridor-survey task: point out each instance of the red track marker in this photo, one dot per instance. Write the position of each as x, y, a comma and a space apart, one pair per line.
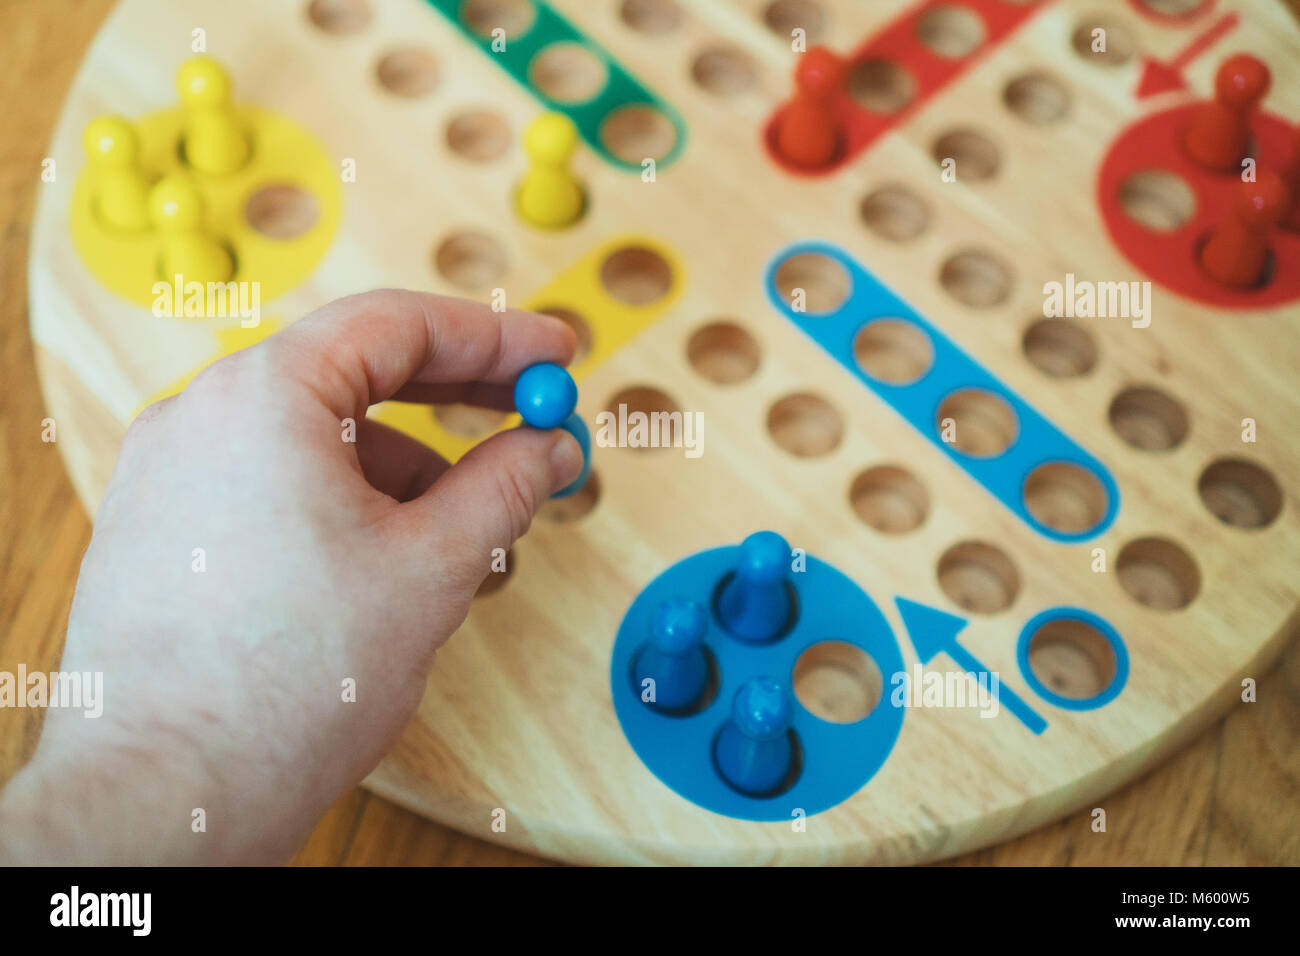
1160, 77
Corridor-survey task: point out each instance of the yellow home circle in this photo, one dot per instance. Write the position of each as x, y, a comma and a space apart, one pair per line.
277, 214
582, 290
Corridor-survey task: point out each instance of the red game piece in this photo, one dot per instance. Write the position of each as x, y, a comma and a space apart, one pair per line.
1219, 133
1236, 252
808, 133
1293, 182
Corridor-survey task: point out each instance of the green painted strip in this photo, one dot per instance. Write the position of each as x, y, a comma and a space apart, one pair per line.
621, 88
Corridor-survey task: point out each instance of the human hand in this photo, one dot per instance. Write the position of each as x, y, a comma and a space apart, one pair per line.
322, 560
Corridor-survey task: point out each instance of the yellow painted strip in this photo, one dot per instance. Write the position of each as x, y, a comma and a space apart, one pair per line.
579, 289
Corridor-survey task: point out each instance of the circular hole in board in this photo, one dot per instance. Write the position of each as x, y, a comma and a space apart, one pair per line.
805, 425
784, 16
950, 31
890, 499
1158, 574
1072, 659
983, 424
1037, 98
881, 86
575, 506
1148, 419
471, 261
649, 401
496, 580
512, 16
893, 351
978, 577
895, 213
823, 280
837, 681
409, 72
974, 154
1060, 348
1157, 199
576, 322
339, 16
478, 135
567, 73
1118, 39
976, 278
651, 16
723, 71
1065, 497
468, 421
1240, 493
281, 211
723, 352
636, 275
638, 132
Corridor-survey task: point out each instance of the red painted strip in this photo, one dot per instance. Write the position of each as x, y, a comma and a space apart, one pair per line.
1217, 30
899, 43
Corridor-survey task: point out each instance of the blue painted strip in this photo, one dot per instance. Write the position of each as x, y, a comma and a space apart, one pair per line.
1038, 442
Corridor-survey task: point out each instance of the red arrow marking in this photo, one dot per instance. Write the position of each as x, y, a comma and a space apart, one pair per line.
1160, 77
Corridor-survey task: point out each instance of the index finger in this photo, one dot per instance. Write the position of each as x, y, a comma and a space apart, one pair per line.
363, 348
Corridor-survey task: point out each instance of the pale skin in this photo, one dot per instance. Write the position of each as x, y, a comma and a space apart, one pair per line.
324, 560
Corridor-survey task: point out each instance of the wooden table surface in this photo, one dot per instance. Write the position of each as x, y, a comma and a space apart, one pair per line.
1232, 797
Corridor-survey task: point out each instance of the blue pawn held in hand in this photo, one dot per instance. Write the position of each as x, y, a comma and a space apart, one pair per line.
754, 750
755, 604
545, 395
675, 659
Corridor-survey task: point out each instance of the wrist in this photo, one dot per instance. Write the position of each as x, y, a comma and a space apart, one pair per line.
104, 805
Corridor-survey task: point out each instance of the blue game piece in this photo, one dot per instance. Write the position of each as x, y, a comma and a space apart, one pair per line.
545, 395
674, 659
576, 427
754, 751
755, 604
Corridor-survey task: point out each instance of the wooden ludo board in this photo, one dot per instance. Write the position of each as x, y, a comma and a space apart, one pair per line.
519, 712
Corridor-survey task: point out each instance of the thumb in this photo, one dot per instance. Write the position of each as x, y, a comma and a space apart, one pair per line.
487, 499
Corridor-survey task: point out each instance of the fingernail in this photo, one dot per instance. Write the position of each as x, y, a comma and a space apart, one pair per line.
566, 460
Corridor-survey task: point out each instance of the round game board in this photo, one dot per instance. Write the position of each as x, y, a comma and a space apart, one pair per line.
1121, 618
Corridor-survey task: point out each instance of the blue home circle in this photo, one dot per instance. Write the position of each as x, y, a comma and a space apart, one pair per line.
836, 760
1103, 627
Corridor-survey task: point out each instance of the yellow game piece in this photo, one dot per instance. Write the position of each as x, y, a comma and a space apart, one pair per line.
176, 207
215, 141
550, 196
119, 187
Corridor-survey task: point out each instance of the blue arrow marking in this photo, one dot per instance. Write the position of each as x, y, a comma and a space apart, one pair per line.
933, 631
